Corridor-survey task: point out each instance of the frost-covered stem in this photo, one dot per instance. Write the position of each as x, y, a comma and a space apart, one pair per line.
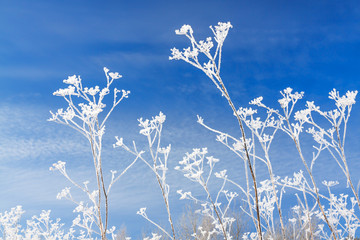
308, 213
106, 203
272, 179
115, 103
275, 194
246, 153
212, 70
154, 157
343, 158
254, 153
157, 225
269, 166
93, 150
84, 117
216, 211
123, 172
102, 181
310, 174
167, 206
248, 194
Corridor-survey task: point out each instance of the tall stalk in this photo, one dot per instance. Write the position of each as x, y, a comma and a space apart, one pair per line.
84, 118
212, 70
253, 176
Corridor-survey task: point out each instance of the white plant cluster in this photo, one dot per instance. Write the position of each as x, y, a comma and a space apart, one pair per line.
319, 213
87, 114
39, 227
340, 219
198, 168
157, 161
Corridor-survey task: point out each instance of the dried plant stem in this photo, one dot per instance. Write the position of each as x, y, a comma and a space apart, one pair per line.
311, 177
226, 94
106, 204
167, 206
307, 213
343, 158
103, 182
84, 118
101, 227
248, 194
275, 195
154, 157
216, 211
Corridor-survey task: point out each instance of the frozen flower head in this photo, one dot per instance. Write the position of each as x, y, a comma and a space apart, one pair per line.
148, 126
73, 80
205, 46
220, 31
160, 118
64, 193
297, 180
344, 101
311, 106
142, 211
66, 115
184, 30
165, 150
302, 115
92, 91
284, 102
112, 75
192, 164
115, 75
185, 195
240, 146
318, 135
257, 101
289, 96
191, 54
58, 166
175, 54
91, 110
330, 183
221, 174
200, 120
119, 142
244, 112
62, 92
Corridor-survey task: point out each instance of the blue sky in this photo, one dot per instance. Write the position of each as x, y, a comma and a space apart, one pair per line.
311, 46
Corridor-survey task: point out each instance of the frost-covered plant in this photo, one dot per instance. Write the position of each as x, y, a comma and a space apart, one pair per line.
10, 222
39, 227
87, 114
340, 215
331, 139
268, 197
198, 168
193, 224
211, 67
158, 163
